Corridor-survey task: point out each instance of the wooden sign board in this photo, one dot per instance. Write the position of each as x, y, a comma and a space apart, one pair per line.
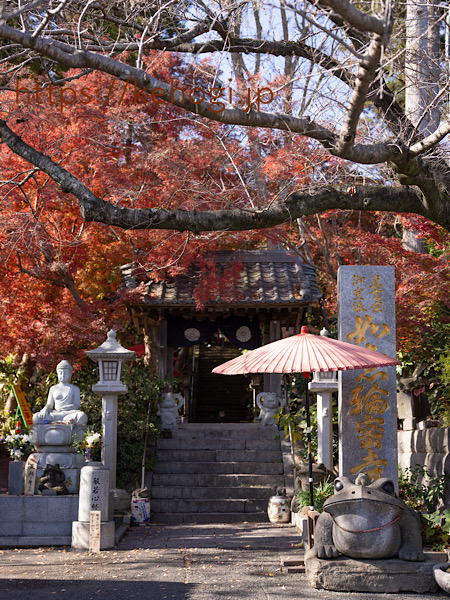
23, 405
30, 476
94, 531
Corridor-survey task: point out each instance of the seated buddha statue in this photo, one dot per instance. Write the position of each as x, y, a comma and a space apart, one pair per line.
63, 402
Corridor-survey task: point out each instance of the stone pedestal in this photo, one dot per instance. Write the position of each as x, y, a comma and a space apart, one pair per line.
377, 576
80, 535
94, 495
15, 478
54, 446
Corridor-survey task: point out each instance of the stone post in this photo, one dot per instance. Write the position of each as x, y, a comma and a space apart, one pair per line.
15, 478
109, 435
368, 397
324, 384
94, 495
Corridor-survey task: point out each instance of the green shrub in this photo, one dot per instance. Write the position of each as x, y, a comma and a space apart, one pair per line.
422, 492
143, 388
419, 489
321, 491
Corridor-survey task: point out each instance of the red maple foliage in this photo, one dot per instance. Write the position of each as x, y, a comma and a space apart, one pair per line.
60, 275
422, 279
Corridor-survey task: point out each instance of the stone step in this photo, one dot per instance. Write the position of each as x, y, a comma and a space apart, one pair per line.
225, 430
219, 468
205, 518
220, 455
211, 480
211, 443
190, 492
173, 506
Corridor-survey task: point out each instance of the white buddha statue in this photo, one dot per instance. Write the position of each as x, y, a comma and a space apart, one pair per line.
63, 402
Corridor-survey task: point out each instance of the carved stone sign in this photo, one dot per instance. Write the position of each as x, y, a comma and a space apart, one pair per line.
368, 397
30, 476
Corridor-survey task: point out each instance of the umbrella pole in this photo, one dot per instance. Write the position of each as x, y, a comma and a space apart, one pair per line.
308, 437
291, 441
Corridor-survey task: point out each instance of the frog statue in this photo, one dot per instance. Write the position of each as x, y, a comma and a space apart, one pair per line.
367, 520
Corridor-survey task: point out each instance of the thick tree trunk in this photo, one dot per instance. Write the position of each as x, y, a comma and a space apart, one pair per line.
422, 65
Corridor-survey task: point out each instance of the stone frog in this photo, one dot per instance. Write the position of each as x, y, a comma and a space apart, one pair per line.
367, 520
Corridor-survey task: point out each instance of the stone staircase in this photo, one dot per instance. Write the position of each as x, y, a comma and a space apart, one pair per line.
218, 473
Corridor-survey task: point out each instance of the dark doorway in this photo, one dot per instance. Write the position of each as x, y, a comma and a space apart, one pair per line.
221, 398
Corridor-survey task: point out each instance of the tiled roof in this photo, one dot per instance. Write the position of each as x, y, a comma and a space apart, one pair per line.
268, 277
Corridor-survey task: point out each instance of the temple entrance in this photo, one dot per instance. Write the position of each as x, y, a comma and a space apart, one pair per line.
272, 292
220, 398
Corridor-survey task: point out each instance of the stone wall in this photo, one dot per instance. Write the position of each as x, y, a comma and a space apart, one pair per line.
37, 520
429, 448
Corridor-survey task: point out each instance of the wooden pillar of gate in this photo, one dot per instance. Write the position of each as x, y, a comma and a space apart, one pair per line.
272, 381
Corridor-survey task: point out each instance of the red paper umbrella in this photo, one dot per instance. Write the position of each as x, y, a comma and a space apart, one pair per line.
304, 353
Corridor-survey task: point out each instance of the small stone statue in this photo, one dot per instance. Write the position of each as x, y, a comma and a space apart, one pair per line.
63, 403
168, 409
367, 520
269, 407
53, 481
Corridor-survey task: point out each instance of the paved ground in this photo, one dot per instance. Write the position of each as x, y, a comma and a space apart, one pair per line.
198, 562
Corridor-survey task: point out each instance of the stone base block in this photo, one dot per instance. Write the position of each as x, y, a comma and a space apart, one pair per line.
122, 500
15, 478
301, 524
37, 520
80, 535
385, 576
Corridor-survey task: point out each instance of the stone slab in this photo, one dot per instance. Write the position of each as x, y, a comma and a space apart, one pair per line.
35, 518
220, 518
15, 478
202, 444
34, 541
80, 535
386, 576
368, 398
254, 456
46, 528
163, 491
183, 468
301, 524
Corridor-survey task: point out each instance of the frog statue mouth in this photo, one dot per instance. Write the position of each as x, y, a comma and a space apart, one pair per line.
363, 507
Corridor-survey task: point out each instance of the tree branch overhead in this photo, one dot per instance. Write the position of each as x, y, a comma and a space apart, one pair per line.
355, 114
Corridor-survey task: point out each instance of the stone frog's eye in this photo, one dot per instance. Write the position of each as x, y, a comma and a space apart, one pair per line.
388, 487
338, 485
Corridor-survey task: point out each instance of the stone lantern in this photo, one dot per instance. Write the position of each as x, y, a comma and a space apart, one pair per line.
110, 356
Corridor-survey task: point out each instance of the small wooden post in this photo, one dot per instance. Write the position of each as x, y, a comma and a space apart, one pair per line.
94, 531
311, 516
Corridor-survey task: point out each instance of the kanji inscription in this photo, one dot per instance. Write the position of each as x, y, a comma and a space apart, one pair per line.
368, 416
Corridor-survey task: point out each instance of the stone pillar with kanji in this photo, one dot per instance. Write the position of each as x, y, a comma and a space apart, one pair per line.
368, 397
